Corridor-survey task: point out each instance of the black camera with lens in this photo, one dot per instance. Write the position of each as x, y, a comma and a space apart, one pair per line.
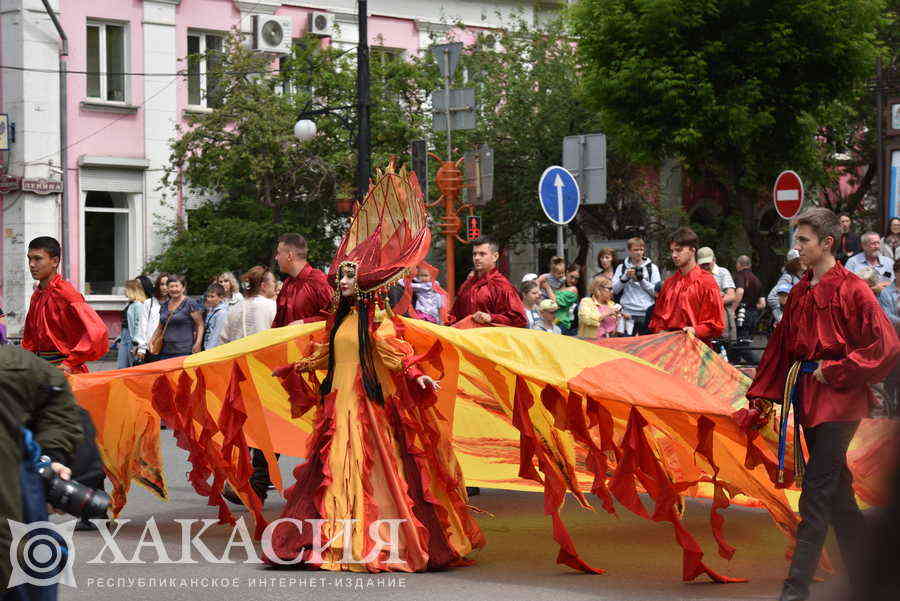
740, 315
639, 273
72, 497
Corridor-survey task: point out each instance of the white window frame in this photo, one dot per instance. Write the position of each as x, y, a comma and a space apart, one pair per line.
126, 61
202, 35
134, 201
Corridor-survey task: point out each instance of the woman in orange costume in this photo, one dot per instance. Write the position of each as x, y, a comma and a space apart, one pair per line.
378, 455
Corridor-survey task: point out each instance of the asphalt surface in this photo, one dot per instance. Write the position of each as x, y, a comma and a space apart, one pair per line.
641, 558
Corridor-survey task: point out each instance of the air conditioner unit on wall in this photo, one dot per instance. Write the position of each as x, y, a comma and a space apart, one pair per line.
321, 24
272, 34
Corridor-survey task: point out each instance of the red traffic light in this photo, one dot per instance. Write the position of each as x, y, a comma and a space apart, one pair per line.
473, 227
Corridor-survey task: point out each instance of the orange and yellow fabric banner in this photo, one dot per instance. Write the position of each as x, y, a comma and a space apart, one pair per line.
527, 410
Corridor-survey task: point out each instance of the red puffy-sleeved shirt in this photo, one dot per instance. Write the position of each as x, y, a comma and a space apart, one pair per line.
493, 294
690, 300
60, 320
839, 323
305, 297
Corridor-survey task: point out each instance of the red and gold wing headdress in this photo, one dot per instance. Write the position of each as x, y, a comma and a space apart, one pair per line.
389, 233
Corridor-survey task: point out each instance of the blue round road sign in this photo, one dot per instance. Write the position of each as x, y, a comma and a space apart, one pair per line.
559, 195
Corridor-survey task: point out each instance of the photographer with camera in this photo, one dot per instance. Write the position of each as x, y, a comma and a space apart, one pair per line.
36, 396
636, 279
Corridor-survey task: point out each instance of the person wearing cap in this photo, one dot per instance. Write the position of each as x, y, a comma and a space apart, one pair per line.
547, 322
690, 300
790, 275
706, 259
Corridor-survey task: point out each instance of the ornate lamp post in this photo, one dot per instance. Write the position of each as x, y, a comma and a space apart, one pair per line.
305, 128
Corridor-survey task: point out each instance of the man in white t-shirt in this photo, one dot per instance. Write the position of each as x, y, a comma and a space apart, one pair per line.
635, 280
706, 259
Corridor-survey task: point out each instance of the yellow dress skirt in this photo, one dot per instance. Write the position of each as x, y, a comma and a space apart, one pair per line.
381, 489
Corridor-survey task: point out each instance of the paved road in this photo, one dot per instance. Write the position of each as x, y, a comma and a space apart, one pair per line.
641, 558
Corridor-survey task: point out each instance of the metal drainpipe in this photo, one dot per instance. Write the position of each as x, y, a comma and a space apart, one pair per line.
63, 142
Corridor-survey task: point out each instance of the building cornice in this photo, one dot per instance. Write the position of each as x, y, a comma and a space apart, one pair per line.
169, 2
92, 160
267, 7
431, 27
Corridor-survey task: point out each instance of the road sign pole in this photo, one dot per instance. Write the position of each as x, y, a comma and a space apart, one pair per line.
560, 241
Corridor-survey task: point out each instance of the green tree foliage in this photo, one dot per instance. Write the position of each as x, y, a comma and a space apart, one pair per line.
527, 88
259, 180
737, 89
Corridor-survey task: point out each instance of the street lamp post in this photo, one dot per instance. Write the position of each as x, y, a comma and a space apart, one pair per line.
305, 129
363, 135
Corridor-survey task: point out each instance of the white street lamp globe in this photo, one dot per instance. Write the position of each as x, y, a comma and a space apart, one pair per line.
305, 130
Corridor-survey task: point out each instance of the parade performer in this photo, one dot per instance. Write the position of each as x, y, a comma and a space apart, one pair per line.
378, 450
64, 330
487, 298
60, 326
833, 341
305, 295
689, 300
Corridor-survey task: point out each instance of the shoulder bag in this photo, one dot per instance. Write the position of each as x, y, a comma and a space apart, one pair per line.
156, 343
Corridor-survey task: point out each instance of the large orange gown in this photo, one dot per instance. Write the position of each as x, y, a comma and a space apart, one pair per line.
369, 462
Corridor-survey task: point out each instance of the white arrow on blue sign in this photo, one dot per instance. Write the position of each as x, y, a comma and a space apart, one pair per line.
559, 195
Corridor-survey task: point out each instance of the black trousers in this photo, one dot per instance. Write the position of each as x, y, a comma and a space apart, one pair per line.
827, 500
260, 480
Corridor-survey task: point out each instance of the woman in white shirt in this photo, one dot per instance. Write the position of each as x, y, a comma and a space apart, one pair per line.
257, 312
233, 294
150, 316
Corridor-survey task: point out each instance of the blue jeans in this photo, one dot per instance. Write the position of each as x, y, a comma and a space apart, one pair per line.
125, 358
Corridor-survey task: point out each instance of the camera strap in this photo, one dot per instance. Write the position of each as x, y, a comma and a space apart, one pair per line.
34, 500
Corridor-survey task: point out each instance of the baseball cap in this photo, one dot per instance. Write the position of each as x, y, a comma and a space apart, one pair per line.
548, 304
705, 255
528, 277
793, 254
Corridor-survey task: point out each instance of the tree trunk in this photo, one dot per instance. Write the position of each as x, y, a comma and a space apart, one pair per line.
768, 264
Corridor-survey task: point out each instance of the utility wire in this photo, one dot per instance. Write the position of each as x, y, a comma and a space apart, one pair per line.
94, 133
133, 73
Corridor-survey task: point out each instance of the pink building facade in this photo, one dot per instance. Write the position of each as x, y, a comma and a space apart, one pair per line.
126, 94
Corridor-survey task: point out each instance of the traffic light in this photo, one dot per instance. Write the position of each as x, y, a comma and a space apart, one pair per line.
473, 227
418, 151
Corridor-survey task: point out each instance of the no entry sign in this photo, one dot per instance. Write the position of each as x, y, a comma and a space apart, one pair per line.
788, 194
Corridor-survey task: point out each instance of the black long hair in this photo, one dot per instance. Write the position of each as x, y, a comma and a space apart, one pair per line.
370, 383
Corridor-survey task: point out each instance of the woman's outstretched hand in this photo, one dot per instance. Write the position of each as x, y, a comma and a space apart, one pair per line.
425, 381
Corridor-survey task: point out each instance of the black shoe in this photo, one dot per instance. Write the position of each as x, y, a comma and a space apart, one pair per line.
802, 571
85, 526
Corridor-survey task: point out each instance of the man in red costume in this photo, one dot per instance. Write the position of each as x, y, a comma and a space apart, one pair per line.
835, 339
487, 296
306, 294
60, 326
689, 300
64, 330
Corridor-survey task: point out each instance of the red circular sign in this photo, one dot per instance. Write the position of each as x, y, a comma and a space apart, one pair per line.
788, 194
